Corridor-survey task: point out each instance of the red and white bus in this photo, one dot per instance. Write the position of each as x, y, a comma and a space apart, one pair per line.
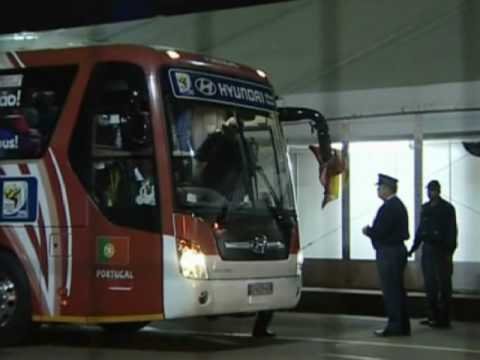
140, 184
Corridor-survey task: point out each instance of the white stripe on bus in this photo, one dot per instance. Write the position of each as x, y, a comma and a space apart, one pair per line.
26, 243
67, 215
48, 230
17, 59
42, 198
13, 170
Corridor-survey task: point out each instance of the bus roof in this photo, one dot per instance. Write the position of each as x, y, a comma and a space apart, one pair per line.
147, 55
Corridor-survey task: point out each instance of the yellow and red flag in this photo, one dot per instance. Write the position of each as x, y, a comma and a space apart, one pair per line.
329, 173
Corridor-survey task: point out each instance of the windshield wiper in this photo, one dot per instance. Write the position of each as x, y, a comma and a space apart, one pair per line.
233, 201
277, 201
279, 213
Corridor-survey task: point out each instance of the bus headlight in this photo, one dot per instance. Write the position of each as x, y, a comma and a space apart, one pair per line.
193, 264
299, 262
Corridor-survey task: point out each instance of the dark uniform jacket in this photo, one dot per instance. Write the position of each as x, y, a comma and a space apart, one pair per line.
390, 226
438, 226
222, 155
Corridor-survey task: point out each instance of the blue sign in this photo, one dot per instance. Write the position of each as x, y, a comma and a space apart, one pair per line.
188, 84
8, 140
19, 200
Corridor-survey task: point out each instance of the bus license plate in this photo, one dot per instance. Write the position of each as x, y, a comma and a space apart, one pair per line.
258, 289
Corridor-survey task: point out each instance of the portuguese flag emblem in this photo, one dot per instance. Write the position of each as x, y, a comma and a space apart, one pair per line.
113, 250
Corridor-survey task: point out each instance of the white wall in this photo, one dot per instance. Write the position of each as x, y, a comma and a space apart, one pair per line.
313, 45
320, 229
459, 173
367, 160
377, 114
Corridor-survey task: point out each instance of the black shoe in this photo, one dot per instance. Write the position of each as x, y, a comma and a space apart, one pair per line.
387, 333
436, 324
263, 334
440, 325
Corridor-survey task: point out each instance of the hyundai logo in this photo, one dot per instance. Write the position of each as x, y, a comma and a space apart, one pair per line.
259, 244
206, 86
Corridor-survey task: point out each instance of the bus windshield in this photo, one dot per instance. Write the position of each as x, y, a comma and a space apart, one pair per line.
228, 159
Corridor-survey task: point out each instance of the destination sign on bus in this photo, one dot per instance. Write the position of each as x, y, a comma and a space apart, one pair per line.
187, 84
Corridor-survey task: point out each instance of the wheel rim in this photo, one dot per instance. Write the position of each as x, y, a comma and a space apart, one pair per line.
8, 299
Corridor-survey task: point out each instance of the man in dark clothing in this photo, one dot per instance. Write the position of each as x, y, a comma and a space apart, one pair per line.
262, 323
388, 233
438, 233
221, 155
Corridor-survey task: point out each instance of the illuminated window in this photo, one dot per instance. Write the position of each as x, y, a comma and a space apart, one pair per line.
320, 229
458, 172
367, 160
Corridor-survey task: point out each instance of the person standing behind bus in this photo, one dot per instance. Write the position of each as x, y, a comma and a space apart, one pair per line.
438, 233
262, 323
388, 233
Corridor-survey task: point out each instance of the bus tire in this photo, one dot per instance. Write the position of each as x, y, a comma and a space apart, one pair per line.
124, 328
15, 301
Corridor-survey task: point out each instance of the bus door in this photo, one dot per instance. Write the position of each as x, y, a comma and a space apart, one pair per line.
113, 154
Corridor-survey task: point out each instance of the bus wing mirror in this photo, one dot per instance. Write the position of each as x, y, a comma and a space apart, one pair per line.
329, 161
317, 122
293, 114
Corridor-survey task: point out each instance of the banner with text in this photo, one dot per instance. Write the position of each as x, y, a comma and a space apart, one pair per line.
194, 85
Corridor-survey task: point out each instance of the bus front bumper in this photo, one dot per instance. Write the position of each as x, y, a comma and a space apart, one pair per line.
217, 297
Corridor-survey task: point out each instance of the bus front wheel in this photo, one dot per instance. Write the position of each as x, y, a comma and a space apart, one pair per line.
15, 301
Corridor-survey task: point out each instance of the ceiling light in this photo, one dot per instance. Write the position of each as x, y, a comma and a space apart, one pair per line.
261, 73
172, 54
25, 36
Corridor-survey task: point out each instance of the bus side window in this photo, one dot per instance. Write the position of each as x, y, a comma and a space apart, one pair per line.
122, 122
117, 165
28, 119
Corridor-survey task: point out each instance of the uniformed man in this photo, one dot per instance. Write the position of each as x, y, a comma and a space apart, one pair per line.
438, 233
388, 233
